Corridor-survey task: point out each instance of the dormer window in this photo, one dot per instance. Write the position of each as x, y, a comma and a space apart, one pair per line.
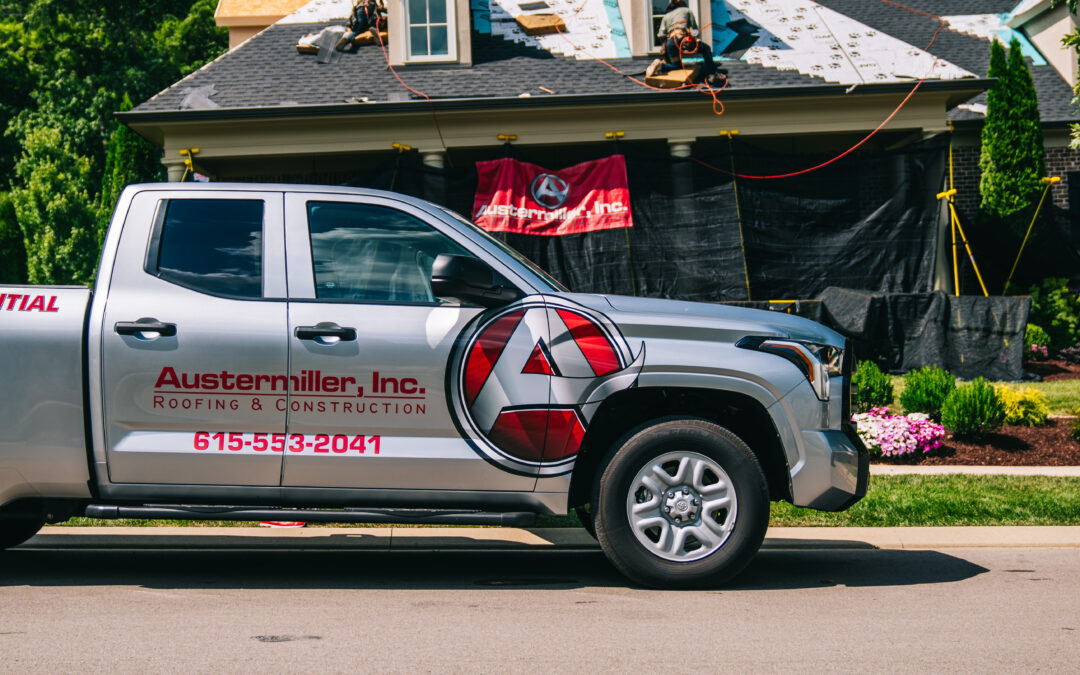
430, 31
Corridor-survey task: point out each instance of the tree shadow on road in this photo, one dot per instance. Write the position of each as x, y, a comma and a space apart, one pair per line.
346, 568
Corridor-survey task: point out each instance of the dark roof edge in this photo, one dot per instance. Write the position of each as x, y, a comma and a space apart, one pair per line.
973, 85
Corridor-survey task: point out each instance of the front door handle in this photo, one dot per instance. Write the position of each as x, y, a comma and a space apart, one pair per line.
145, 325
325, 330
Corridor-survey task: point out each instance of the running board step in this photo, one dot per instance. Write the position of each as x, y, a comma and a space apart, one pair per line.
388, 516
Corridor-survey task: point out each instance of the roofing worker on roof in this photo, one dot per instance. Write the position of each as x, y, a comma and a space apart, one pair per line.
366, 17
677, 15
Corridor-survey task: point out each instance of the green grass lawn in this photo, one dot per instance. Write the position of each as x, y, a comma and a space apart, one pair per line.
904, 501
891, 501
1062, 395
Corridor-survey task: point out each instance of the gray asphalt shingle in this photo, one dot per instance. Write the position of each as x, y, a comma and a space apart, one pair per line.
267, 71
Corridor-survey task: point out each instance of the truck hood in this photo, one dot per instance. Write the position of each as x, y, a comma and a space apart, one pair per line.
654, 317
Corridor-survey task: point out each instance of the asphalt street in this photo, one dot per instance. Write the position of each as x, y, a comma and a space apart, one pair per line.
843, 607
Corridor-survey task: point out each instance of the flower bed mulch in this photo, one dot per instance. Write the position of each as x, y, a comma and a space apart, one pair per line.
1057, 369
1051, 445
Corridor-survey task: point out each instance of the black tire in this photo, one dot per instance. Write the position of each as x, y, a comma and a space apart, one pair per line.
703, 444
14, 531
586, 519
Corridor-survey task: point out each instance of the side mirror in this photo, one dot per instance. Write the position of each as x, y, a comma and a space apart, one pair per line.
469, 280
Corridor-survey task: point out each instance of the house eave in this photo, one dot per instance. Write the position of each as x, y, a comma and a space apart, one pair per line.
959, 90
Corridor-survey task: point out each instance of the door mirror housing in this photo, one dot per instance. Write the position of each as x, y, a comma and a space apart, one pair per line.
469, 280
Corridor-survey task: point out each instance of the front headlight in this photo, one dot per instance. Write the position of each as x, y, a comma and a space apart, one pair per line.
818, 362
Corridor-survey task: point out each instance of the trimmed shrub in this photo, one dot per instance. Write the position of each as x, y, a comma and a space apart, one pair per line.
1026, 407
926, 389
1070, 354
873, 389
973, 409
1057, 310
1036, 343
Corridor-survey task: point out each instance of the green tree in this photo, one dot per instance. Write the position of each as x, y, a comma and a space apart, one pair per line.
1012, 159
55, 213
128, 159
12, 251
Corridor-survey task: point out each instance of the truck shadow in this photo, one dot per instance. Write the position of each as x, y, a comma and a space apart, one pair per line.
350, 568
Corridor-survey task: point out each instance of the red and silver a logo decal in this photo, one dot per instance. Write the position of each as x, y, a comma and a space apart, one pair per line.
526, 383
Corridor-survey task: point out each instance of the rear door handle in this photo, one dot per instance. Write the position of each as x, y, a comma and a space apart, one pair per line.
325, 330
145, 325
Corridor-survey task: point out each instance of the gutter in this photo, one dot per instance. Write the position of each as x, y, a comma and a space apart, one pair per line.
973, 85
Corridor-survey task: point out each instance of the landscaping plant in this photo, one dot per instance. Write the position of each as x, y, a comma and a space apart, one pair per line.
872, 387
1070, 354
926, 389
1011, 161
973, 409
1026, 407
1057, 310
1036, 343
887, 435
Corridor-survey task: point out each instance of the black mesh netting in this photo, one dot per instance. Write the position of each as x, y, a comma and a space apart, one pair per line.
859, 235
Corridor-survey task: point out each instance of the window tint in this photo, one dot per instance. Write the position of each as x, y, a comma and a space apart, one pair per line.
373, 253
213, 246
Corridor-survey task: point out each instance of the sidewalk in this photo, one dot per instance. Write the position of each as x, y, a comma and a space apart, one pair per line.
495, 538
938, 470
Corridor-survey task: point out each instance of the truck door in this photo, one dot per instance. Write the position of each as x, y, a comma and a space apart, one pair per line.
369, 346
194, 348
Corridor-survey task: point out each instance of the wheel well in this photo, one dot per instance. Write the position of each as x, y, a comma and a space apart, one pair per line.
627, 410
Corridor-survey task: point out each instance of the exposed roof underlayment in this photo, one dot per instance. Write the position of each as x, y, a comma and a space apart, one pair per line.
990, 26
798, 35
594, 28
823, 43
320, 11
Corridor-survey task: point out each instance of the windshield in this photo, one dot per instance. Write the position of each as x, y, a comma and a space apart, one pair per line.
555, 284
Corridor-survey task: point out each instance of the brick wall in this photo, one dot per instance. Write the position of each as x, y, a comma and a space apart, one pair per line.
1059, 162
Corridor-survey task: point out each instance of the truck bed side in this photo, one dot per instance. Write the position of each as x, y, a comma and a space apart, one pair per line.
42, 421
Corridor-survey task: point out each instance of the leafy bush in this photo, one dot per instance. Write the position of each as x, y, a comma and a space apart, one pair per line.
926, 389
1057, 310
973, 409
1027, 407
872, 387
894, 435
1070, 354
1036, 343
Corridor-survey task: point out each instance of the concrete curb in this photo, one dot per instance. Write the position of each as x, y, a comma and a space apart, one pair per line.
938, 470
552, 539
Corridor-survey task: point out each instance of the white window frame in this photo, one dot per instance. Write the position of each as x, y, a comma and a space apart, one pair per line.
451, 34
693, 5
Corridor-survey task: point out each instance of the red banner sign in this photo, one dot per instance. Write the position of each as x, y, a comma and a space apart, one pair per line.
522, 198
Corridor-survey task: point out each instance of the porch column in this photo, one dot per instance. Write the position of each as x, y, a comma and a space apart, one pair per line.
434, 183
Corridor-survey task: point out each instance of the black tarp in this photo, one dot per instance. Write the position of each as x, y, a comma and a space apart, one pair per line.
867, 222
970, 336
859, 235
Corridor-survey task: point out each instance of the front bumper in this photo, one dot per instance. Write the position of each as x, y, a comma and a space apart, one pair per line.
836, 473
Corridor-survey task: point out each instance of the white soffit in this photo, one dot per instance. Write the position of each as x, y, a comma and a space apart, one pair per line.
820, 42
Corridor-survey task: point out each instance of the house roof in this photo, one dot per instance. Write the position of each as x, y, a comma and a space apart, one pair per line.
267, 74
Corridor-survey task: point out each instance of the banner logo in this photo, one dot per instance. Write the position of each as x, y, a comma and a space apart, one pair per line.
513, 196
525, 385
549, 190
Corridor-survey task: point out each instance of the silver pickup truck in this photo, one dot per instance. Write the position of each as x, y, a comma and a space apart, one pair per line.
282, 352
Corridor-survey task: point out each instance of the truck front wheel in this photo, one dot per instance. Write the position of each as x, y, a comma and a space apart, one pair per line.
681, 503
14, 531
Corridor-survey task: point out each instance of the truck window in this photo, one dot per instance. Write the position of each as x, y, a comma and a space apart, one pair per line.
211, 245
368, 253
